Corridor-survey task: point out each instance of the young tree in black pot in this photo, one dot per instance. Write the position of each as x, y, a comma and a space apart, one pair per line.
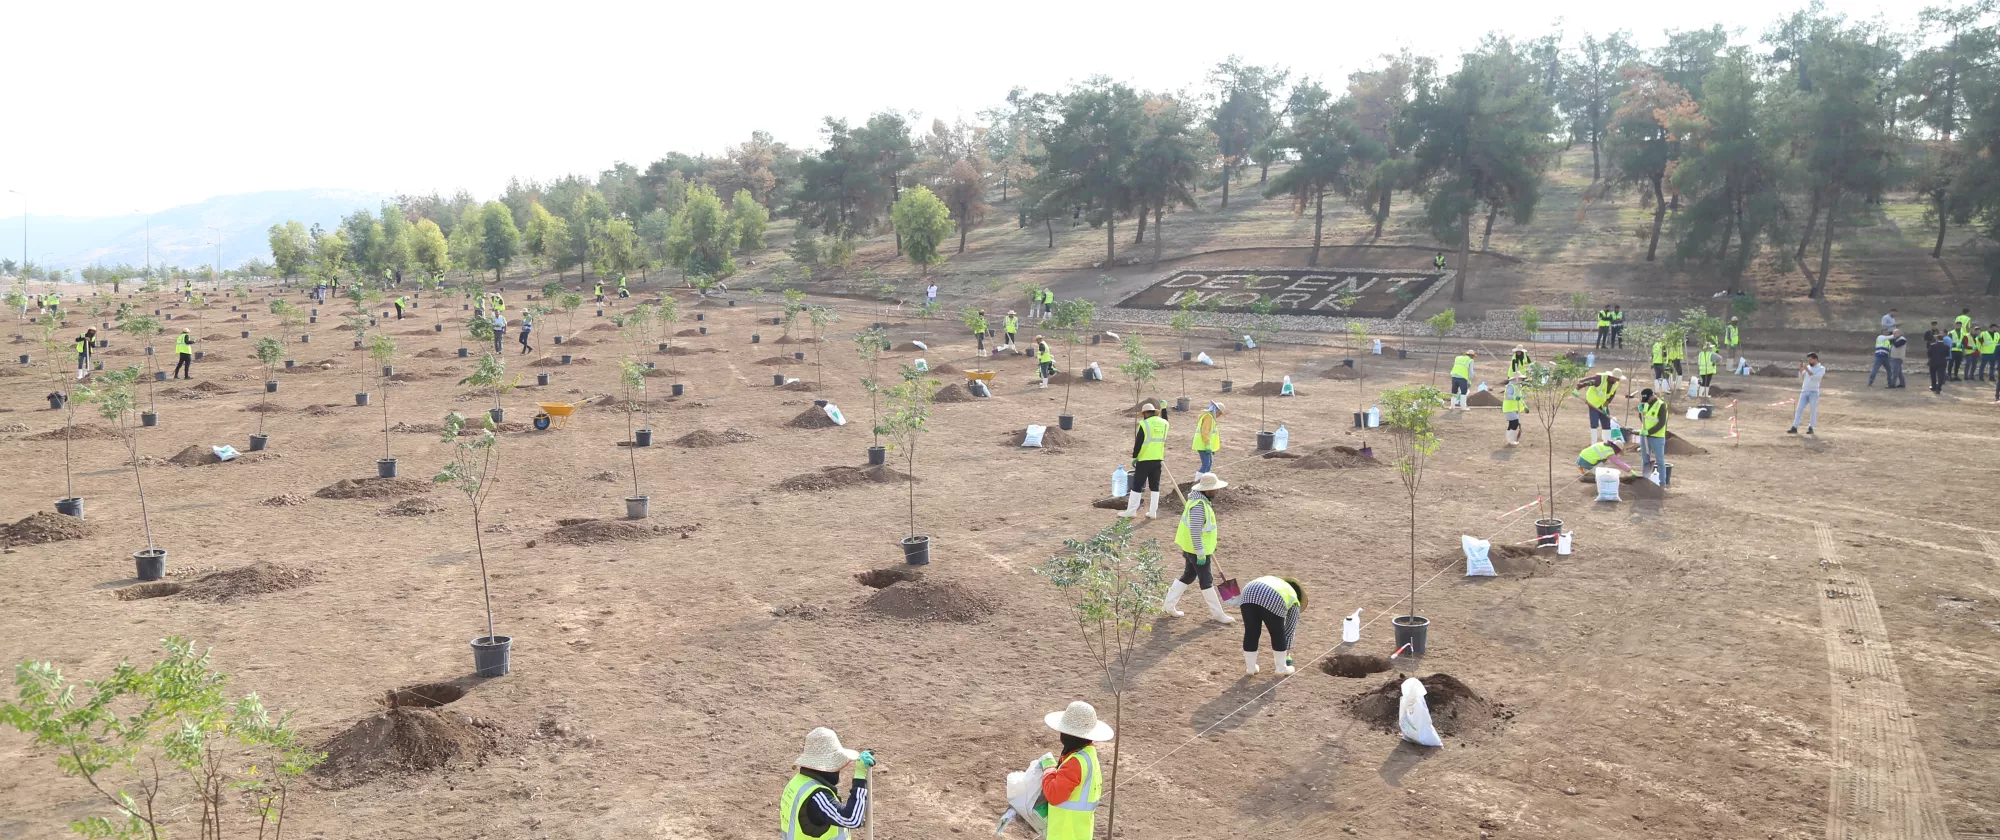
145, 328
269, 352
633, 375
908, 418
56, 345
490, 375
1409, 412
1263, 327
1072, 317
116, 401
474, 457
1547, 388
819, 317
382, 351
869, 345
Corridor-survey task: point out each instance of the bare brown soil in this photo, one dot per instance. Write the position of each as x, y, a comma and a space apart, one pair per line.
373, 488
259, 578
834, 478
44, 527
1455, 708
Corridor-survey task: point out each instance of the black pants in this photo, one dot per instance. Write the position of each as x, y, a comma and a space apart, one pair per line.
184, 366
1706, 378
1938, 376
1677, 367
1146, 476
1255, 619
1618, 335
1659, 371
1048, 369
981, 338
1957, 359
1192, 568
1513, 423
1603, 336
1010, 338
399, 312
524, 342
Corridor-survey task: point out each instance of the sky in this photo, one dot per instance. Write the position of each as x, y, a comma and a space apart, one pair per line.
138, 107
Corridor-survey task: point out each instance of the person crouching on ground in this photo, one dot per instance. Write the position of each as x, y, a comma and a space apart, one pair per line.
811, 808
1275, 603
1044, 359
1196, 537
1598, 454
1074, 783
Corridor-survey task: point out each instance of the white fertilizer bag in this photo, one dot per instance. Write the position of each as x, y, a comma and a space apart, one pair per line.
1415, 716
1204, 359
226, 453
1607, 484
833, 413
1249, 343
920, 345
1478, 562
1034, 436
1694, 414
921, 364
1285, 390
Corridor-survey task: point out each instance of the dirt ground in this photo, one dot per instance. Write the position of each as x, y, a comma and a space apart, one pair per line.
1802, 627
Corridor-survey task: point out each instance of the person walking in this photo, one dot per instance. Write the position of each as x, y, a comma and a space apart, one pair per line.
527, 326
1603, 329
1653, 414
1512, 403
1149, 453
1676, 353
930, 294
1208, 436
1705, 364
1518, 362
1597, 391
1598, 454
1044, 359
979, 329
1617, 325
1810, 374
83, 351
499, 332
1898, 345
1074, 782
184, 355
1272, 603
1660, 364
1196, 536
1938, 351
1048, 301
1461, 379
401, 304
1881, 359
1010, 324
598, 290
810, 808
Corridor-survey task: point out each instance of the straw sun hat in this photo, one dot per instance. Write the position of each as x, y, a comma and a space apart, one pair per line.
1080, 720
824, 752
1208, 481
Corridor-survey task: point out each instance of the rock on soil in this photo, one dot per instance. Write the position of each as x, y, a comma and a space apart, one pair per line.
404, 740
603, 475
833, 478
953, 393
785, 339
415, 506
1052, 438
1455, 708
14, 427
284, 500
598, 531
257, 578
923, 599
418, 428
373, 488
1335, 458
578, 342
811, 418
44, 527
703, 438
80, 431
808, 612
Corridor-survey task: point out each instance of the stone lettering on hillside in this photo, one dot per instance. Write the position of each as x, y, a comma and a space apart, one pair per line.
1338, 293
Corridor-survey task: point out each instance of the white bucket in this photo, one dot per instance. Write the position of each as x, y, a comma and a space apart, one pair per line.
1563, 542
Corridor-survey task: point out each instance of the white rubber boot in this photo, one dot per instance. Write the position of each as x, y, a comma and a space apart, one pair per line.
1249, 663
1153, 505
1214, 599
1131, 505
1173, 597
1282, 660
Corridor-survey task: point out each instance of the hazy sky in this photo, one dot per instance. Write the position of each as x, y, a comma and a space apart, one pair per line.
143, 106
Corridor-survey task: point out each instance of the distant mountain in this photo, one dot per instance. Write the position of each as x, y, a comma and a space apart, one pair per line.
180, 235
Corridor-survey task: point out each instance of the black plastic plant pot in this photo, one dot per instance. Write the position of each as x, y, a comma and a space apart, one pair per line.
149, 351
679, 389
159, 376
388, 370
24, 358
642, 437
1096, 338
437, 328
565, 358
258, 442
1066, 421
1546, 532
312, 319
492, 655
917, 550
755, 338
461, 352
799, 356
270, 386
499, 415
558, 339
663, 347
361, 398
600, 313
151, 562
357, 344
149, 419
1412, 630
702, 330
385, 468
1265, 440
1181, 404
777, 379
305, 339
1228, 386
652, 365
732, 303
636, 507
777, 321
878, 455
1347, 363
1187, 355
699, 317
246, 333
541, 379
1402, 354
245, 317
70, 507
1360, 420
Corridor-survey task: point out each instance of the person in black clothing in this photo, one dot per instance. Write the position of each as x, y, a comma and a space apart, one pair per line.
1617, 326
816, 808
1940, 361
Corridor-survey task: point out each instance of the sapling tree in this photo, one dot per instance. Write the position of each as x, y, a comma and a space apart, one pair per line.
145, 328
382, 351
479, 327
869, 344
1115, 585
974, 322
269, 352
569, 303
1579, 306
1441, 325
819, 317
1262, 328
163, 743
793, 306
289, 315
490, 375
908, 418
18, 301
113, 394
1358, 334
1072, 317
1410, 413
1546, 388
668, 314
633, 375
56, 346
1531, 322
1139, 366
474, 458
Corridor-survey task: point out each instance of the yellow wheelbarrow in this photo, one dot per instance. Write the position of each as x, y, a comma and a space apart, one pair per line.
557, 414
979, 375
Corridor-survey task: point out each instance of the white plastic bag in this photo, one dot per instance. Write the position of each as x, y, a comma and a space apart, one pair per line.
1096, 373
833, 413
1249, 343
1285, 390
1034, 436
1478, 560
1607, 484
1204, 359
1694, 414
226, 453
1378, 347
1415, 716
1121, 483
921, 345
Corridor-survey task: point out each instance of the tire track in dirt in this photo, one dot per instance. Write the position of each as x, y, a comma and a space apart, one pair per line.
1882, 785
1992, 549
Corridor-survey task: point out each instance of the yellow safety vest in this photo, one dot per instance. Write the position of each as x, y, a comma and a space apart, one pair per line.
1604, 317
796, 793
979, 326
1461, 367
1706, 362
1676, 352
181, 344
1600, 395
82, 344
1012, 322
1075, 818
1659, 353
1206, 437
1185, 536
1154, 447
1595, 453
1989, 342
1042, 353
1652, 413
1277, 584
1519, 367
1512, 401
1881, 342
621, 282
1729, 336
1963, 321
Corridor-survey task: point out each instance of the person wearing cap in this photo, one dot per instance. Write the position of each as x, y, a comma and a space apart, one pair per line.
1461, 378
1597, 454
1196, 538
1704, 366
1009, 325
810, 808
1597, 391
1512, 403
599, 291
1653, 414
1149, 453
83, 351
184, 355
978, 326
1270, 602
1518, 363
1074, 782
1044, 360
1660, 363
1731, 338
1208, 436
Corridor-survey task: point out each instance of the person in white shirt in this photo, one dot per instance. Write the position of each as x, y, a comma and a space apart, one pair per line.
1810, 374
930, 293
1889, 320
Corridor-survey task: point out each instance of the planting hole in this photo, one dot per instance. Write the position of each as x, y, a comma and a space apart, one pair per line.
156, 589
1355, 664
884, 578
426, 696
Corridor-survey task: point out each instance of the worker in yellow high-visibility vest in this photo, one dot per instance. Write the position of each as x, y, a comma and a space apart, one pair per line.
1705, 367
810, 808
1208, 435
1597, 391
1074, 782
184, 355
1461, 379
1044, 360
1512, 404
1195, 536
1009, 325
1149, 453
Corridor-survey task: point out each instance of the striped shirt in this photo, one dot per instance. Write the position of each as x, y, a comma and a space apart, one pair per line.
1264, 596
1197, 520
824, 808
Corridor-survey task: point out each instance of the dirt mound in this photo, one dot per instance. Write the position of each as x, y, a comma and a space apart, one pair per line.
578, 342
1355, 664
344, 328
1483, 399
265, 408
79, 431
786, 339
603, 475
1454, 707
403, 740
44, 527
215, 337
921, 599
550, 361
833, 478
688, 333
257, 578
415, 506
805, 385
953, 393
373, 488
1775, 370
659, 372
418, 428
284, 500
1677, 445
298, 369
811, 418
195, 455
775, 361
1052, 438
319, 410
432, 353
884, 578
602, 328
1335, 458
599, 531
946, 368
678, 350
1065, 378
1341, 372
406, 376
703, 438
1272, 389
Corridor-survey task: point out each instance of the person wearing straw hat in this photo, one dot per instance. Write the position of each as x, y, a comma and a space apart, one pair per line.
1149, 454
1517, 364
1597, 392
1263, 601
810, 808
1074, 783
1512, 403
1196, 537
1009, 325
1044, 360
1461, 379
1208, 436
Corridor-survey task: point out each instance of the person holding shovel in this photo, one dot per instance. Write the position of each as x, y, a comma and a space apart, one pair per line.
1196, 538
979, 329
1461, 379
1517, 365
1073, 783
1149, 453
1044, 359
83, 351
1208, 436
810, 808
1009, 325
1275, 603
1597, 392
401, 304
